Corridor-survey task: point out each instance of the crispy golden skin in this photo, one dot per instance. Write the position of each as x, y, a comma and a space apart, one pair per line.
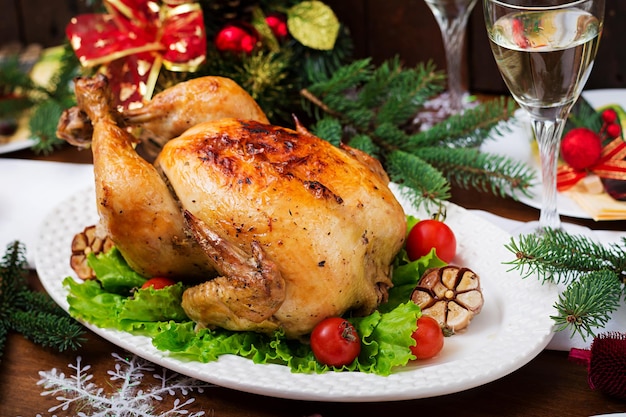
295, 229
326, 218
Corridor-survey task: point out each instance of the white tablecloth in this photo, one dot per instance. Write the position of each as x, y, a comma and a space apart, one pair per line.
29, 190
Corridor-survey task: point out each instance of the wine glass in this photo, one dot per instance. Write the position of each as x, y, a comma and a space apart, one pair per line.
545, 50
451, 16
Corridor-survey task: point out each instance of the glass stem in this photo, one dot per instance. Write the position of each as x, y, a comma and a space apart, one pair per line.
453, 34
548, 134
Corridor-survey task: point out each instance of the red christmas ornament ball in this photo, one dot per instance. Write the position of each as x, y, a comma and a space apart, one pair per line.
581, 148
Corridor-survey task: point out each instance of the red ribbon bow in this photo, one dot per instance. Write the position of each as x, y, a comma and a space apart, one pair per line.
611, 164
135, 38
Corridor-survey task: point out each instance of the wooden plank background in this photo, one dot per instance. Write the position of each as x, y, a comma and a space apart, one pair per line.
381, 29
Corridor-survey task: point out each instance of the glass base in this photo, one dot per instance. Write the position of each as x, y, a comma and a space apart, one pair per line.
534, 228
440, 107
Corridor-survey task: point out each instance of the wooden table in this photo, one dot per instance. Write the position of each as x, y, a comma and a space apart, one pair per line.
549, 385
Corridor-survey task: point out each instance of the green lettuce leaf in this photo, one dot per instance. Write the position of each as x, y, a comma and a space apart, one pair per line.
89, 302
406, 275
146, 312
114, 273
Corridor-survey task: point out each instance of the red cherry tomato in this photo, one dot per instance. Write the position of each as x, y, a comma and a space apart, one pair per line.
429, 338
158, 283
428, 234
335, 342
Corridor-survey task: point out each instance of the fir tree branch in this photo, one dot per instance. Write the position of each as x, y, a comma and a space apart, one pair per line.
587, 303
41, 127
14, 79
469, 129
595, 275
472, 169
410, 171
45, 103
558, 256
49, 330
33, 314
331, 129
37, 301
12, 280
375, 107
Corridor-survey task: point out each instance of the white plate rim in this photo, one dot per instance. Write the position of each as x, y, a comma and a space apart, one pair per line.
509, 332
16, 145
519, 150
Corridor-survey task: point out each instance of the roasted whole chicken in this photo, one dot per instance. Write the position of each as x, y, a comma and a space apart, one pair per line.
283, 228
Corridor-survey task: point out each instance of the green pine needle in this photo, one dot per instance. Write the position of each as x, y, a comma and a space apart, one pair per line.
472, 169
33, 314
60, 332
330, 129
41, 127
365, 144
558, 256
595, 275
427, 183
469, 129
587, 303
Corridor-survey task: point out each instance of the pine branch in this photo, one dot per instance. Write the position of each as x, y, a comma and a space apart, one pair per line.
12, 280
60, 332
12, 107
14, 79
330, 129
315, 63
46, 103
587, 303
584, 115
375, 108
472, 169
427, 183
43, 129
595, 275
37, 301
558, 256
469, 129
33, 314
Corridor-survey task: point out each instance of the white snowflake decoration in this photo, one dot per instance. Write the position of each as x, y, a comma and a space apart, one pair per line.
128, 400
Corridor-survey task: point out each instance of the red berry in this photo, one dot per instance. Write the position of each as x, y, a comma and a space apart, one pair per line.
613, 130
581, 148
247, 43
236, 39
609, 116
277, 24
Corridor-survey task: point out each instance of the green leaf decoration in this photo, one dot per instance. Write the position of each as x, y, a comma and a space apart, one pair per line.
313, 24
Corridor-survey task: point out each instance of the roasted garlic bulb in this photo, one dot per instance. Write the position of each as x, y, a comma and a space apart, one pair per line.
83, 244
451, 295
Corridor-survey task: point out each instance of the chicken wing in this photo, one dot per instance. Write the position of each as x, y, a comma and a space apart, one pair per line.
169, 113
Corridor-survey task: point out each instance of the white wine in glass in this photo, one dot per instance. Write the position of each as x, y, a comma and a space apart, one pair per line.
545, 50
